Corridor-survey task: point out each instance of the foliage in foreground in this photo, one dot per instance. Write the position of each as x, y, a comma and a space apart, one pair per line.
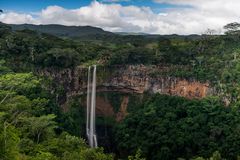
162, 128
171, 127
28, 131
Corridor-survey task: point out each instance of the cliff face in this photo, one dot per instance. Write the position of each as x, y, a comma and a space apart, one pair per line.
105, 108
136, 79
127, 79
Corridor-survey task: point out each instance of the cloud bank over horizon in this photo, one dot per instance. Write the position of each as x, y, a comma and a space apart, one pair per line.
195, 17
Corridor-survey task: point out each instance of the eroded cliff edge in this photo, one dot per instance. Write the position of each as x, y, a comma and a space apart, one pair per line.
127, 79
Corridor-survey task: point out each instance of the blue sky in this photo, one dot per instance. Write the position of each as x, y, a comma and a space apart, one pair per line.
149, 16
37, 5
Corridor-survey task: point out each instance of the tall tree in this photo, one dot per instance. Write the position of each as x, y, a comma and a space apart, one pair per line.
232, 28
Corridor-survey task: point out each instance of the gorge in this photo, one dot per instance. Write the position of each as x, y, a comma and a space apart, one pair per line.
127, 79
150, 97
116, 86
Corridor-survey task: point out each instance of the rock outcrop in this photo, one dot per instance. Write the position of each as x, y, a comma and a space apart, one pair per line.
136, 79
127, 79
123, 109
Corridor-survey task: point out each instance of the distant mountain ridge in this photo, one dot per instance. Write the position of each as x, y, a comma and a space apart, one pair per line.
93, 33
132, 33
63, 31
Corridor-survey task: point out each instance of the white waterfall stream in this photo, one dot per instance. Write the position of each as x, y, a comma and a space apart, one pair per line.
91, 107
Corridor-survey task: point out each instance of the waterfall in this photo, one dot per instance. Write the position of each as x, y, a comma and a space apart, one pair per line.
91, 107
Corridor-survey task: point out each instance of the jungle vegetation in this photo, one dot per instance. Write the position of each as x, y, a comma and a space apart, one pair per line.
34, 127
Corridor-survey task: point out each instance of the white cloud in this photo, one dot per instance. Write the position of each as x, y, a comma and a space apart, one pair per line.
202, 14
12, 17
205, 13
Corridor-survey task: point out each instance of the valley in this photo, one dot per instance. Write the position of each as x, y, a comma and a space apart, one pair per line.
157, 96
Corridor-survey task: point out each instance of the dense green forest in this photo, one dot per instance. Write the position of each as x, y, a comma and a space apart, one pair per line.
34, 127
29, 126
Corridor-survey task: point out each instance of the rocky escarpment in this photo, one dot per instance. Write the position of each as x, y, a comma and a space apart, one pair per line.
127, 79
136, 79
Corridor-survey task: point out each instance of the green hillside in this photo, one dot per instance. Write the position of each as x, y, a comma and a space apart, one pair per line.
63, 31
35, 126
